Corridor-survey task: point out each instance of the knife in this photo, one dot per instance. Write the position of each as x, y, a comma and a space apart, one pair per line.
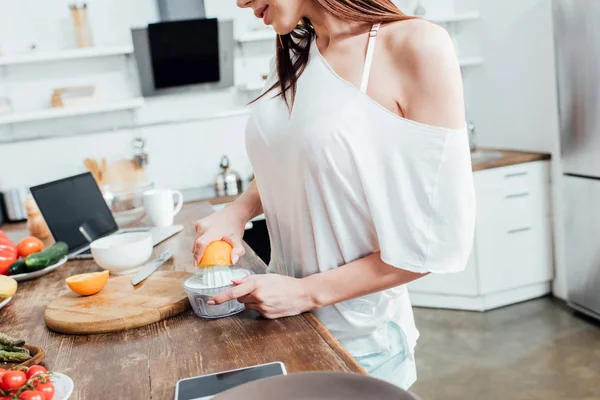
150, 267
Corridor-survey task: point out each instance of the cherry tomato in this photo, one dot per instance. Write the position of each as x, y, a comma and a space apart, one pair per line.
13, 380
35, 370
29, 245
6, 398
2, 370
32, 395
46, 388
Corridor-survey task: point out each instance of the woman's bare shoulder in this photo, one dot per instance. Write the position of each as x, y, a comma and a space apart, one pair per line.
425, 60
415, 42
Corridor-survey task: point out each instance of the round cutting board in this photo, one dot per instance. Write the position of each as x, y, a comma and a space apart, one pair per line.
120, 306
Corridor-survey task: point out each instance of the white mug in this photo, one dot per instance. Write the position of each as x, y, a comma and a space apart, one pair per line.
159, 206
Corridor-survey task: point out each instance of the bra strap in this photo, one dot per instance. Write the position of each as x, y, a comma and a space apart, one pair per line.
369, 58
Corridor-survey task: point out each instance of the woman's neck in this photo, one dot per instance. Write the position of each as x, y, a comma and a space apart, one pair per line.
330, 28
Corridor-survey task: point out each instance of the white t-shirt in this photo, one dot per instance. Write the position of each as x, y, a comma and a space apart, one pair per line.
341, 177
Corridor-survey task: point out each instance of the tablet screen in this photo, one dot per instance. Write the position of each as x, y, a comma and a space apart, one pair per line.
206, 386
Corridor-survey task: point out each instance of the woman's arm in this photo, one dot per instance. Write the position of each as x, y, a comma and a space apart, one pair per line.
358, 278
277, 296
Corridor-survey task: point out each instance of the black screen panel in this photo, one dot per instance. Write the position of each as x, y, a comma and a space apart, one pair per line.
184, 52
70, 203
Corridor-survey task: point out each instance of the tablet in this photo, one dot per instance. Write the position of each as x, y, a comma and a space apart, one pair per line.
206, 387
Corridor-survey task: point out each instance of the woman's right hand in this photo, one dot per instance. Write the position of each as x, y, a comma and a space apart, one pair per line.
226, 224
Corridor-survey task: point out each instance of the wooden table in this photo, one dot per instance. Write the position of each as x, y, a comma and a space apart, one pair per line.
147, 362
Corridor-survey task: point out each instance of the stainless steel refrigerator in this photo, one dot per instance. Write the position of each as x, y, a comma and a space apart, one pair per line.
577, 41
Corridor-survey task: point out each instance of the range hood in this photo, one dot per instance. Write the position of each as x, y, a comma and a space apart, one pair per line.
176, 10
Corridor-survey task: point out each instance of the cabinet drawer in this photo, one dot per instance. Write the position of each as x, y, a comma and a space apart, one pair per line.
517, 190
511, 255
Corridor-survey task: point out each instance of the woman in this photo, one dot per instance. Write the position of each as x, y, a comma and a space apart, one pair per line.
362, 170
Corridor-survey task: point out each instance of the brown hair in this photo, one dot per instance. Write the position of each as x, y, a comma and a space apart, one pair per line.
292, 48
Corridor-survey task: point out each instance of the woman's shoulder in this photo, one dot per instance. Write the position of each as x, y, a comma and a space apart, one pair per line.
423, 56
417, 41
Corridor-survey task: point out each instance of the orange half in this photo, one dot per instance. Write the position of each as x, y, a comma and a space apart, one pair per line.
216, 253
87, 284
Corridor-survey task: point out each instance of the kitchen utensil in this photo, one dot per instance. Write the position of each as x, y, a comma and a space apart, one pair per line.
199, 294
120, 306
4, 302
125, 200
63, 386
83, 33
227, 182
14, 203
317, 385
36, 274
37, 356
159, 206
149, 269
122, 253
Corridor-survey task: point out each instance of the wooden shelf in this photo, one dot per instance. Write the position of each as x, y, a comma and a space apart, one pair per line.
54, 113
71, 54
470, 61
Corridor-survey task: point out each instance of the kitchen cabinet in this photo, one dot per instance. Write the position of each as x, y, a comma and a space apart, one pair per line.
512, 257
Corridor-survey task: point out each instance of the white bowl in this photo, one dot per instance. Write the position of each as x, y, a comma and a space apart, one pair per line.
122, 253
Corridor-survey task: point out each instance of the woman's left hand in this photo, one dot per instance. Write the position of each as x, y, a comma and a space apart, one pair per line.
272, 295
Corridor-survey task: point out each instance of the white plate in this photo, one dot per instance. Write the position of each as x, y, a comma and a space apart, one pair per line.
63, 386
4, 302
42, 272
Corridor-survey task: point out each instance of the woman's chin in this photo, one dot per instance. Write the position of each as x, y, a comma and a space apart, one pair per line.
282, 30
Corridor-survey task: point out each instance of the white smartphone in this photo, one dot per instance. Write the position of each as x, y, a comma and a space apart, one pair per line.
205, 387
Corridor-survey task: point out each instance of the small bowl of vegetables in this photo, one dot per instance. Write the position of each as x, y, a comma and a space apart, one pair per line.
29, 258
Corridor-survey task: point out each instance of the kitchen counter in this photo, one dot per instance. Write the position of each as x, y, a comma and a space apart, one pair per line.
507, 158
147, 362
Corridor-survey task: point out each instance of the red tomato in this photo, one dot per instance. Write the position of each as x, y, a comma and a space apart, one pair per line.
2, 234
8, 254
35, 370
6, 398
2, 370
29, 245
13, 380
46, 388
32, 395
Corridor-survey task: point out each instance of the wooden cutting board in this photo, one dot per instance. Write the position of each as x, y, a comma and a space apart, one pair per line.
120, 306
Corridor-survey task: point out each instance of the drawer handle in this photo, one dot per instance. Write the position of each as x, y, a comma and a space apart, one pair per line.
519, 230
517, 195
516, 174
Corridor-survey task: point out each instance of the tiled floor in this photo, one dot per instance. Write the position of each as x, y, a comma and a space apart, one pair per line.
538, 350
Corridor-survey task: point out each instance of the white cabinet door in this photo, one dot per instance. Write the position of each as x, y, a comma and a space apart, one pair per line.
512, 256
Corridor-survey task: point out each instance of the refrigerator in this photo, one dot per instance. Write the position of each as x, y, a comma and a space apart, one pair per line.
577, 45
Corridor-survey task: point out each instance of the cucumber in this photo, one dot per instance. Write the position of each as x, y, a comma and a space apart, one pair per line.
45, 258
18, 267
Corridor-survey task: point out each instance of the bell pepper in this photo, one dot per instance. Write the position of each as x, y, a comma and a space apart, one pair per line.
8, 254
